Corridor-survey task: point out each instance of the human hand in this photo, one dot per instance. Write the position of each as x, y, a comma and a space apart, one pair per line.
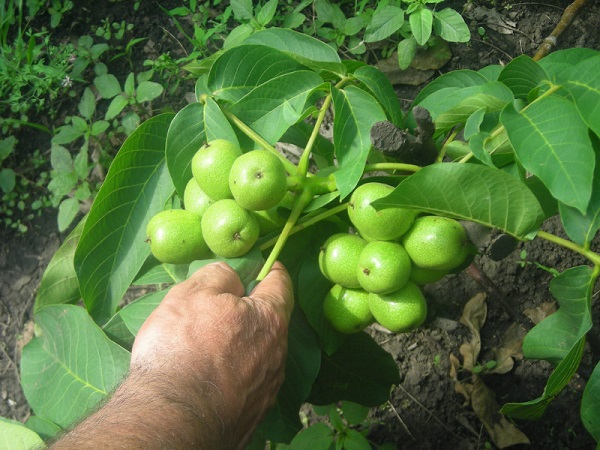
217, 353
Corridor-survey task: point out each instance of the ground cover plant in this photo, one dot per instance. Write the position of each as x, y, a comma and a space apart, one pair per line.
511, 147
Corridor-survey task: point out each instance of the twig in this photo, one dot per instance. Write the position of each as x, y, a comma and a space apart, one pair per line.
448, 429
401, 421
550, 41
494, 47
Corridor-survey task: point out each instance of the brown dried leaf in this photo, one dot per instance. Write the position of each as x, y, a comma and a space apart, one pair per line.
503, 433
540, 312
473, 317
511, 346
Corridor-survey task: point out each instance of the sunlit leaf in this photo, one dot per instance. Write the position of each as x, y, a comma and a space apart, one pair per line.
355, 113
112, 246
15, 435
421, 25
70, 366
216, 124
552, 142
59, 282
185, 137
384, 23
454, 80
241, 69
450, 26
561, 64
471, 192
271, 108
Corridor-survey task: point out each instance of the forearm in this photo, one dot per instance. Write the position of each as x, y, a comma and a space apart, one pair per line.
149, 413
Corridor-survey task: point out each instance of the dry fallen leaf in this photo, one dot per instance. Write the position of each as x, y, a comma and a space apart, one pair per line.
540, 312
511, 346
473, 317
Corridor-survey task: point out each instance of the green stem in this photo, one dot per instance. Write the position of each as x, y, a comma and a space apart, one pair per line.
448, 141
303, 199
289, 166
592, 256
305, 158
303, 224
392, 166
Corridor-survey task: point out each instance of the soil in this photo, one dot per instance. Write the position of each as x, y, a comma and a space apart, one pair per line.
424, 411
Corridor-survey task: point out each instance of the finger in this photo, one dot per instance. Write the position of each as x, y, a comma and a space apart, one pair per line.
276, 289
219, 278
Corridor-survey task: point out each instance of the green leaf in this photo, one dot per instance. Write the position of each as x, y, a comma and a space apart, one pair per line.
116, 106
66, 134
355, 112
63, 382
7, 147
238, 35
559, 338
421, 24
247, 267
590, 414
359, 371
453, 81
584, 87
554, 336
381, 88
407, 49
154, 272
87, 104
355, 413
15, 435
470, 192
129, 87
108, 86
522, 75
147, 91
99, 127
385, 22
450, 26
67, 211
552, 142
216, 124
43, 427
271, 108
318, 436
241, 69
7, 180
356, 441
242, 9
267, 12
185, 137
300, 133
112, 247
561, 64
582, 228
297, 45
123, 327
60, 158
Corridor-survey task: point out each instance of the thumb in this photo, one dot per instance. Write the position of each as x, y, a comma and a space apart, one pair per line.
276, 289
217, 277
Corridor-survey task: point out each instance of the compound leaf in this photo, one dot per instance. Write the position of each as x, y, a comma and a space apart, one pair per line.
381, 88
552, 142
112, 246
470, 192
70, 366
